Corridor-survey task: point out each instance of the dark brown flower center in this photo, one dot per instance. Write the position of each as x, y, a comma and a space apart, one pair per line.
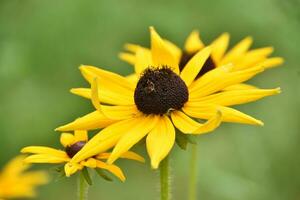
186, 57
160, 90
74, 148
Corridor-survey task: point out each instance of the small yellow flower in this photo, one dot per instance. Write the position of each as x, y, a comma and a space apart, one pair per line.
73, 143
17, 182
239, 56
161, 99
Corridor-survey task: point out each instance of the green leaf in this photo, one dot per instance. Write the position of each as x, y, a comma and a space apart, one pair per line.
86, 176
192, 139
103, 175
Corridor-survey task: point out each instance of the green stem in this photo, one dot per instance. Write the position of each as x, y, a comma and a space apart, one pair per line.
82, 188
193, 173
164, 179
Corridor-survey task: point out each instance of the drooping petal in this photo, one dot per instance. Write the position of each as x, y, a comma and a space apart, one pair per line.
160, 141
108, 137
193, 42
235, 97
44, 150
93, 120
111, 168
216, 80
161, 54
237, 51
219, 47
67, 139
127, 155
187, 125
193, 67
206, 111
133, 136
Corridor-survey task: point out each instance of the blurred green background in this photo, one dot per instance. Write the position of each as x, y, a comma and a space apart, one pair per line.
42, 43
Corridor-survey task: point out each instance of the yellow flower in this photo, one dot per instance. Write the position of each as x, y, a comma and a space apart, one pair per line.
160, 100
17, 182
240, 55
73, 143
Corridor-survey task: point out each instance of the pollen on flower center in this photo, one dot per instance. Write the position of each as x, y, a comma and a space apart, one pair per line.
160, 90
74, 148
208, 65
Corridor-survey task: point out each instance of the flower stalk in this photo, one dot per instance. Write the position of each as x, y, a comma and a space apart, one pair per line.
83, 188
164, 179
193, 173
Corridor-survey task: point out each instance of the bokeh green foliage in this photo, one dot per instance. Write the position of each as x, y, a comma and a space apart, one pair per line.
42, 43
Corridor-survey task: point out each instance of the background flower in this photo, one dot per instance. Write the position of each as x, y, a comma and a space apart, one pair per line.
43, 42
17, 182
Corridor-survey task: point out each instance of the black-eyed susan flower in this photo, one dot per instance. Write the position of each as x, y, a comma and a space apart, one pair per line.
240, 56
162, 98
17, 182
72, 144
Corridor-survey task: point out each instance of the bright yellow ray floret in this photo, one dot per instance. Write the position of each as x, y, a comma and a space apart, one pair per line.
72, 144
17, 182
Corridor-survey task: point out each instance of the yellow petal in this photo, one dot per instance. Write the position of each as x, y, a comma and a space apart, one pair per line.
81, 135
93, 120
91, 163
143, 60
160, 141
272, 62
161, 54
176, 51
193, 67
235, 97
216, 80
112, 112
111, 168
187, 125
104, 96
132, 47
133, 136
206, 111
240, 86
109, 83
132, 78
238, 50
72, 168
127, 155
44, 150
67, 139
219, 47
127, 57
46, 158
106, 139
193, 42
253, 57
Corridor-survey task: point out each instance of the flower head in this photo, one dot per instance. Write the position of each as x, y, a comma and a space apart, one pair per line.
240, 56
159, 100
17, 182
73, 143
